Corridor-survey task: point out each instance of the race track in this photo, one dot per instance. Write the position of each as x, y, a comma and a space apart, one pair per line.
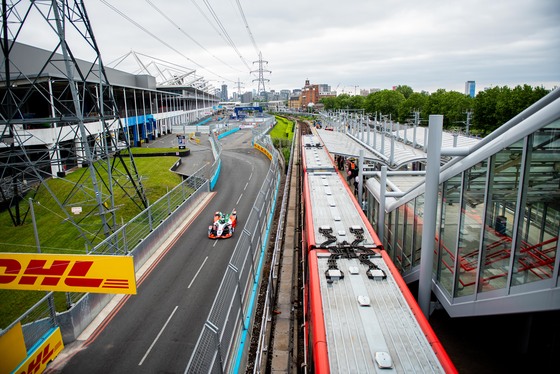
156, 330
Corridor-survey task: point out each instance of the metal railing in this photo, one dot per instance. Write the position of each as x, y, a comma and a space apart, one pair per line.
223, 344
271, 289
130, 239
125, 239
234, 305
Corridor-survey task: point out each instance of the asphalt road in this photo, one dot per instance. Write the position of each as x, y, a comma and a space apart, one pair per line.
156, 330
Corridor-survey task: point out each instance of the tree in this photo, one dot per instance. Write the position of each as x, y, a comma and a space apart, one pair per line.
485, 118
386, 102
328, 102
452, 105
405, 90
357, 102
495, 106
416, 102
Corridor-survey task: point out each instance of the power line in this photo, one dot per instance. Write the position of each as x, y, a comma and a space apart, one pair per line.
159, 40
224, 31
187, 35
247, 25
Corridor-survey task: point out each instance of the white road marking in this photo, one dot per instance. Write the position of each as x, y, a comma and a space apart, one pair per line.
237, 203
158, 335
246, 185
199, 269
215, 242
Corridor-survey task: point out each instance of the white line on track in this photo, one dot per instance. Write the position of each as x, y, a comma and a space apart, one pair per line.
237, 203
199, 269
246, 185
158, 335
215, 242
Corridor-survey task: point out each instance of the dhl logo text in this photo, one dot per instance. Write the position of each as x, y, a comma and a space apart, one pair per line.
38, 363
37, 360
105, 274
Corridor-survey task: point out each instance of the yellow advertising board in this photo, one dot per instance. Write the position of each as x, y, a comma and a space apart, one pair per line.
12, 349
263, 150
67, 273
37, 360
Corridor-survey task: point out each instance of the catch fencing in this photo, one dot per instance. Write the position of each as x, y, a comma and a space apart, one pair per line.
225, 338
223, 343
140, 237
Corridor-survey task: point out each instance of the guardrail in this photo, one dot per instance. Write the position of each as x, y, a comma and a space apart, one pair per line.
271, 289
223, 343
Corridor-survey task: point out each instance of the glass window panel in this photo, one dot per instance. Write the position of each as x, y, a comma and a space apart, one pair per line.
373, 208
389, 234
399, 242
392, 239
538, 224
500, 209
408, 231
418, 227
472, 210
437, 244
450, 211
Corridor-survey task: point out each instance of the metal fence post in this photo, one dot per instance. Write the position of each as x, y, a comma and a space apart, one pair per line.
215, 329
168, 202
149, 211
241, 309
125, 242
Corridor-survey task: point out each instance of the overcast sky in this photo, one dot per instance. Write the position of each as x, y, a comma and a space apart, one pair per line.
351, 44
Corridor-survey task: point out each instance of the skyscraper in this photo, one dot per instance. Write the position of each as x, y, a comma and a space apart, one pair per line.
224, 96
469, 88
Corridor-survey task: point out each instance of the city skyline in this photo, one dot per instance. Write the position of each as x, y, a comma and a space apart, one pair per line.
425, 45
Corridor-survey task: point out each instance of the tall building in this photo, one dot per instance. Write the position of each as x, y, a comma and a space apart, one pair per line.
224, 95
469, 88
247, 97
285, 94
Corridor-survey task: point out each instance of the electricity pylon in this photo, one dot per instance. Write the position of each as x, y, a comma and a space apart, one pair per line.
261, 79
59, 113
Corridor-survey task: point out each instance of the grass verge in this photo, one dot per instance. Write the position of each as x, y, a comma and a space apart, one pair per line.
56, 235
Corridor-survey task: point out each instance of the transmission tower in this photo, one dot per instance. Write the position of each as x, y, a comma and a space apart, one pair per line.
261, 79
239, 86
63, 97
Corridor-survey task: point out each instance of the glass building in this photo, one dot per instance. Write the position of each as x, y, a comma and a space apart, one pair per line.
497, 219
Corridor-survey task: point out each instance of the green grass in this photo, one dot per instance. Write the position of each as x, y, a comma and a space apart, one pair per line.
147, 151
284, 129
58, 236
282, 134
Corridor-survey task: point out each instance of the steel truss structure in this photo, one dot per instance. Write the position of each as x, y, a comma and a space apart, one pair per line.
261, 79
60, 115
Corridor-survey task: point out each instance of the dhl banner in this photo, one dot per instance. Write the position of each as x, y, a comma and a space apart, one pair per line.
263, 150
68, 273
12, 349
37, 360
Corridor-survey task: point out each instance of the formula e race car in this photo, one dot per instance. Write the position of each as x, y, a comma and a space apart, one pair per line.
223, 226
